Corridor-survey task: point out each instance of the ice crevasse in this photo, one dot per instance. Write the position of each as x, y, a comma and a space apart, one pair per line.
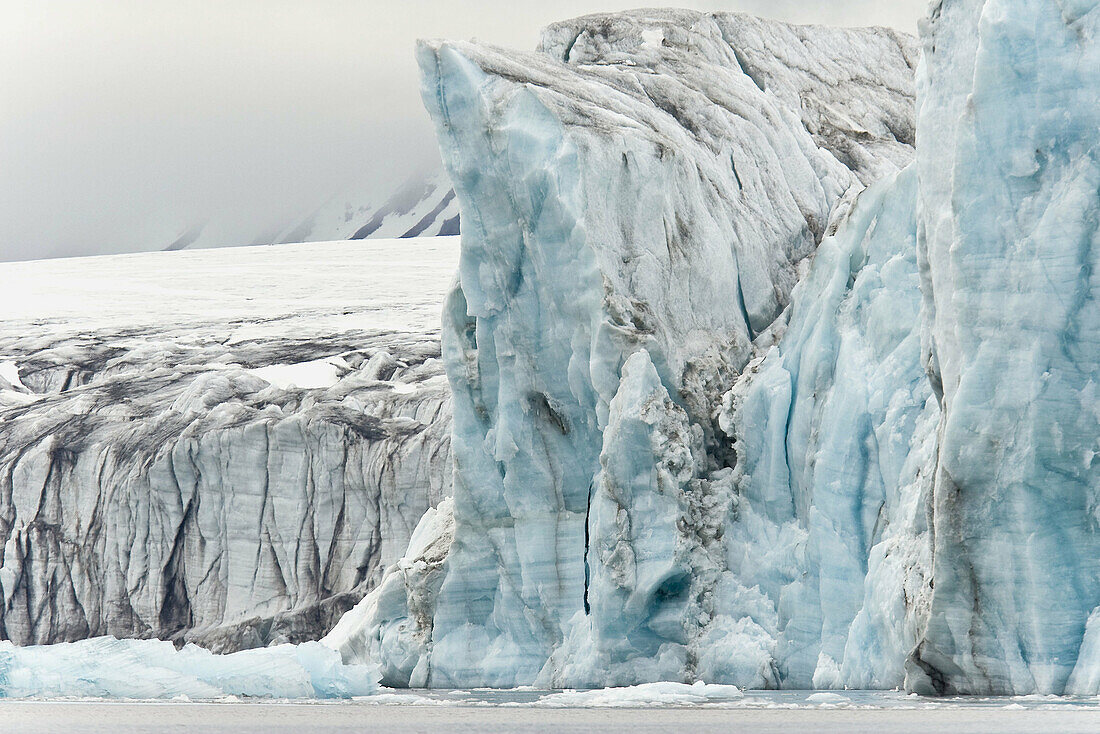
687, 450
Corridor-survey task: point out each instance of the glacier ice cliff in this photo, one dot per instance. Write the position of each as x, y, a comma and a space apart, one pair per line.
739, 391
834, 433
638, 200
232, 464
1009, 209
739, 394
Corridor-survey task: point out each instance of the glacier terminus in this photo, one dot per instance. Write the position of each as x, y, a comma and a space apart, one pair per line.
772, 361
725, 459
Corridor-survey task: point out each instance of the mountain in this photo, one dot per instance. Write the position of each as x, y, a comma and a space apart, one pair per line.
424, 206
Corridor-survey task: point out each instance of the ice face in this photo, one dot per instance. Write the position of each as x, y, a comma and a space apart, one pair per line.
1009, 126
654, 551
393, 624
832, 427
807, 565
633, 216
909, 493
104, 667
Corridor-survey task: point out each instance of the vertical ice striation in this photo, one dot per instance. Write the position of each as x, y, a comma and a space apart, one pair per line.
738, 396
654, 542
213, 506
1009, 136
635, 200
833, 427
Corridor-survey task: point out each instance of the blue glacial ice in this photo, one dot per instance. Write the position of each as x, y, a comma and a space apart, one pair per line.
637, 209
1009, 209
687, 450
834, 429
103, 667
741, 394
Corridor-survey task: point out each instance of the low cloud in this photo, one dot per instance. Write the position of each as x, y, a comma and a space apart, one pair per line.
124, 124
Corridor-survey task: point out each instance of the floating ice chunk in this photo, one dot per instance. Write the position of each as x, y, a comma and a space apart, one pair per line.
827, 697
104, 667
646, 694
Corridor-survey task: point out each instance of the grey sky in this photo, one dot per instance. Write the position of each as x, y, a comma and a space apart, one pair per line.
124, 122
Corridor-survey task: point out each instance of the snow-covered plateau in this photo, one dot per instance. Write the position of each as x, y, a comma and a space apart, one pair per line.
772, 363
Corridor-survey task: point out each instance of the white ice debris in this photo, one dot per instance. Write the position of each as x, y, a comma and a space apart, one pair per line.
645, 695
104, 667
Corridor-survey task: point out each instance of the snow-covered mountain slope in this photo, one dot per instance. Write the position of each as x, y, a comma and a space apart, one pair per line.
225, 446
637, 201
425, 206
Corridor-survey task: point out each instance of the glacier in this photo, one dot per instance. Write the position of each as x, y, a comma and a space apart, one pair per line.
797, 411
769, 364
600, 318
1009, 201
215, 452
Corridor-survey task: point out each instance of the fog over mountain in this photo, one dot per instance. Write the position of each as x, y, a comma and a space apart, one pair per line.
123, 126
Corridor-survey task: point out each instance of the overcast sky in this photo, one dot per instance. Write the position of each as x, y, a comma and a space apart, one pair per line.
124, 123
